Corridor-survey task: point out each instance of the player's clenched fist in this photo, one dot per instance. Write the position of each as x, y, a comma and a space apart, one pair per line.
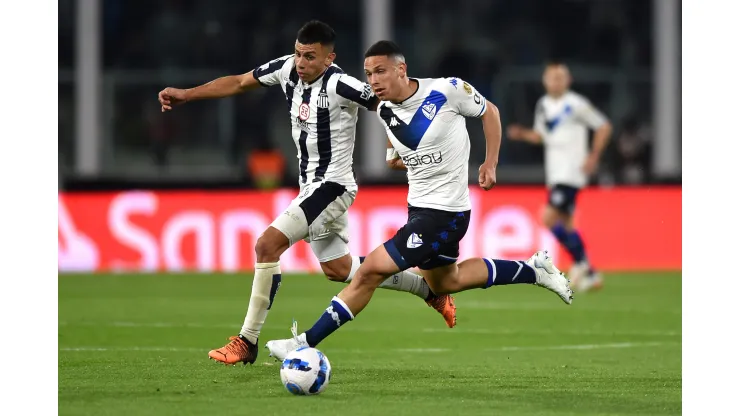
170, 97
486, 176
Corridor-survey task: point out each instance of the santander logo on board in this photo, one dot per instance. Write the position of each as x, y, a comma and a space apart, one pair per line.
148, 231
76, 251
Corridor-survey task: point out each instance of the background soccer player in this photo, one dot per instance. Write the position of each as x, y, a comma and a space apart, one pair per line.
562, 120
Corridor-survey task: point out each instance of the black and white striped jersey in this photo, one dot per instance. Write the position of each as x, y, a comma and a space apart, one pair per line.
323, 117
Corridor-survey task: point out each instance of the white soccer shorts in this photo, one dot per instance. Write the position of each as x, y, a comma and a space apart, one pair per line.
319, 216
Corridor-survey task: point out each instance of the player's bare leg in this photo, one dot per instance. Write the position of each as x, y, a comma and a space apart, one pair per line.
378, 266
339, 269
472, 273
482, 273
267, 279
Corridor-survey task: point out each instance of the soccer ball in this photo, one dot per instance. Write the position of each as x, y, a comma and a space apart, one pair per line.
305, 371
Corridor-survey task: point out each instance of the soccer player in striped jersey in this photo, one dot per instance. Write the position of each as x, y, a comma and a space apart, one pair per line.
425, 122
561, 123
323, 103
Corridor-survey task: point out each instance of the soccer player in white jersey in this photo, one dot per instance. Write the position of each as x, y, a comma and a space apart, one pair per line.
425, 122
323, 113
562, 120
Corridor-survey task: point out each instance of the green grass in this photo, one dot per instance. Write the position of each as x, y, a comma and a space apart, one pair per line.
137, 345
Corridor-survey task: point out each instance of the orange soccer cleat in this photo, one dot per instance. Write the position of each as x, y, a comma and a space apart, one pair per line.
238, 350
445, 305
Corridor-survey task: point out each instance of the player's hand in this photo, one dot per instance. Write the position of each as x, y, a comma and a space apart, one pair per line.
170, 97
591, 165
487, 176
397, 164
515, 132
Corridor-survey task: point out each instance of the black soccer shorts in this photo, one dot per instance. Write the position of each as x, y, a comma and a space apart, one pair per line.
430, 238
563, 198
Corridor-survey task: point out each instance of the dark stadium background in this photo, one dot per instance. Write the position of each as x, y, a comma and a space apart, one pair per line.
158, 213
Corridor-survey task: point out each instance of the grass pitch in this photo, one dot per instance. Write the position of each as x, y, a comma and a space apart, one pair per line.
137, 345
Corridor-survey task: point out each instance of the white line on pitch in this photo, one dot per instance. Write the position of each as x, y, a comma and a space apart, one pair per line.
142, 349
422, 349
585, 346
506, 331
401, 350
492, 331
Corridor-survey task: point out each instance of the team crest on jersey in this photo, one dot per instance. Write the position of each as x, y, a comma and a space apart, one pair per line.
429, 109
304, 111
323, 101
467, 88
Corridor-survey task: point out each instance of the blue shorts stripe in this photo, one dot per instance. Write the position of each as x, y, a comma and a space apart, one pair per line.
447, 259
390, 247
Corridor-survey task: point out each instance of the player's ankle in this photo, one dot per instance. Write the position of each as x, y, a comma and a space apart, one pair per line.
249, 337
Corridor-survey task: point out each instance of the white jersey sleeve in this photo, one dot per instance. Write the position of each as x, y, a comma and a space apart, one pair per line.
540, 119
354, 93
465, 99
269, 74
589, 115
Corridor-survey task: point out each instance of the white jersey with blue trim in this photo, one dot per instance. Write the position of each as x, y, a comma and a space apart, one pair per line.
323, 116
563, 123
428, 132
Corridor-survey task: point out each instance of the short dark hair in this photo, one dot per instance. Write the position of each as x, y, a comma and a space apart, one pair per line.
316, 32
384, 48
555, 62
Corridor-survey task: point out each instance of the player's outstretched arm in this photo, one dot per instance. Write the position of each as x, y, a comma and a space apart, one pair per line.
393, 159
519, 132
492, 130
218, 88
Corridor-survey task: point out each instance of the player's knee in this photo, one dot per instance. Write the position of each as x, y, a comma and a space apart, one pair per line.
549, 219
334, 271
268, 248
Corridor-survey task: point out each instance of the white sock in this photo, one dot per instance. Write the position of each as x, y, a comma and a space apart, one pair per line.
355, 265
267, 279
404, 281
407, 281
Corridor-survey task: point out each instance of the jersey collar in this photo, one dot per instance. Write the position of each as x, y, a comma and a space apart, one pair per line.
418, 87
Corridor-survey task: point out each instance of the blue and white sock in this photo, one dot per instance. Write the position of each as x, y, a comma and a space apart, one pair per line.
572, 242
507, 272
336, 315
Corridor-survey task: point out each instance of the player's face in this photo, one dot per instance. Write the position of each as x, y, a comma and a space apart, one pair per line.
556, 79
312, 60
384, 74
